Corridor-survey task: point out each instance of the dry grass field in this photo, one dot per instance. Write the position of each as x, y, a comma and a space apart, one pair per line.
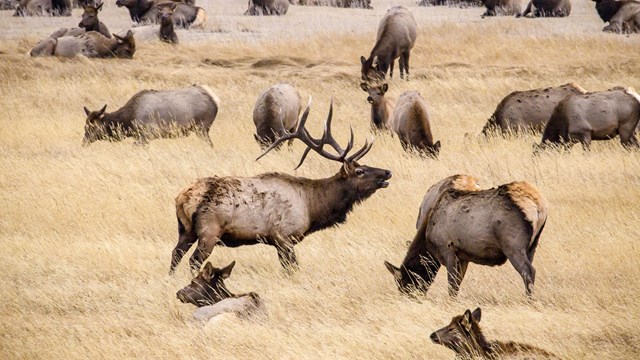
87, 232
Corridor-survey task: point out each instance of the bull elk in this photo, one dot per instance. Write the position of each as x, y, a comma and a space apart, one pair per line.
274, 208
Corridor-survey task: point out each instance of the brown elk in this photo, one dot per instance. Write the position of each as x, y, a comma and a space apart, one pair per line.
90, 21
381, 106
412, 123
91, 44
276, 112
397, 34
208, 292
274, 208
548, 8
185, 14
502, 7
459, 224
464, 336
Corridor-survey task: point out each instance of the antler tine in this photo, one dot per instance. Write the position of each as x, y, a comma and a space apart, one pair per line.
294, 135
327, 137
362, 152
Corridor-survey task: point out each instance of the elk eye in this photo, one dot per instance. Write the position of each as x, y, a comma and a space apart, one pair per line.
359, 172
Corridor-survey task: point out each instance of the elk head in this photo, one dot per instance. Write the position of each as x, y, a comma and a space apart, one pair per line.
95, 128
371, 70
363, 180
90, 17
463, 334
207, 288
165, 12
125, 46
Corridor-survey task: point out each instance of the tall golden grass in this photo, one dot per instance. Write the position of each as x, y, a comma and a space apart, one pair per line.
87, 232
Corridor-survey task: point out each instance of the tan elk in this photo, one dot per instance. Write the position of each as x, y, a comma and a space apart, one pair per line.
381, 106
208, 292
464, 336
90, 21
458, 223
274, 208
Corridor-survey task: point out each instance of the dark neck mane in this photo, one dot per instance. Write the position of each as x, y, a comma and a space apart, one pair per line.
419, 260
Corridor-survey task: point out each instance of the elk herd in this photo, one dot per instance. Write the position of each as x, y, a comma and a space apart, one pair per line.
458, 221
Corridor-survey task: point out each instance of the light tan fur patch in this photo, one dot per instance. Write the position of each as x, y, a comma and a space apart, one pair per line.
466, 183
214, 97
577, 87
530, 201
188, 200
633, 93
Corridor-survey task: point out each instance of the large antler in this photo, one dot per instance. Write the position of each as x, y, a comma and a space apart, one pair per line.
317, 145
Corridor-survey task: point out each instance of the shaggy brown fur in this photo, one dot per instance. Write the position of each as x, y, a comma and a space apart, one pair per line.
464, 336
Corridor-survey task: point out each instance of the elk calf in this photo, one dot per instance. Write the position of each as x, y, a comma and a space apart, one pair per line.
165, 17
381, 106
464, 336
411, 122
208, 292
276, 113
459, 224
90, 21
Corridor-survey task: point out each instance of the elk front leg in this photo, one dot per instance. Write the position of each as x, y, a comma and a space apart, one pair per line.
208, 236
456, 270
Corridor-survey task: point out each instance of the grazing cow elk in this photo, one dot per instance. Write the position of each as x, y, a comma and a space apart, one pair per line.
626, 19
464, 336
528, 110
381, 106
43, 8
412, 124
502, 7
459, 224
90, 21
274, 208
594, 116
548, 8
156, 113
267, 7
276, 112
396, 37
91, 44
208, 292
185, 15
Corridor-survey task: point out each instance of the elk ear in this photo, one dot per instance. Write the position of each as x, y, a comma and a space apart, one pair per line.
208, 271
118, 38
129, 35
101, 112
86, 111
99, 7
362, 60
476, 315
226, 271
465, 322
437, 146
384, 88
365, 86
173, 5
397, 274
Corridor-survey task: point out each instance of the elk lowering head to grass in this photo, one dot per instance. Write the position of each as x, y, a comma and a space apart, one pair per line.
464, 336
208, 292
274, 208
90, 21
459, 224
276, 112
156, 113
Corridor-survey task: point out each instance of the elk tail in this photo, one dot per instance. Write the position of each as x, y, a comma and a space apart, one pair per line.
534, 244
633, 93
201, 19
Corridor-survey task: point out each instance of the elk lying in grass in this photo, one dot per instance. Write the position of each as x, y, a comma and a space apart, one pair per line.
274, 208
145, 11
208, 292
464, 336
459, 224
91, 44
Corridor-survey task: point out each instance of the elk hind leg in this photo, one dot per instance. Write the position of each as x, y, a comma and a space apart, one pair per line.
522, 264
185, 241
208, 236
286, 254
